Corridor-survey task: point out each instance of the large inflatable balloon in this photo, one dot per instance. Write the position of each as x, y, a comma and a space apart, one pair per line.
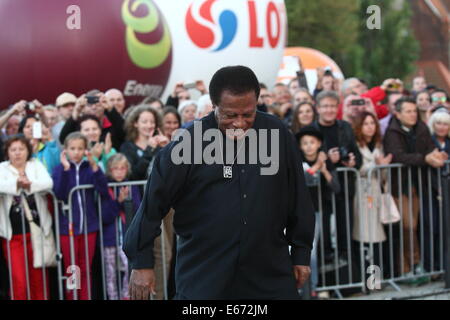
309, 59
142, 47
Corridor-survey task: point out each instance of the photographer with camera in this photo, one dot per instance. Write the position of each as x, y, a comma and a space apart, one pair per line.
96, 104
341, 148
354, 106
181, 92
16, 110
376, 94
36, 130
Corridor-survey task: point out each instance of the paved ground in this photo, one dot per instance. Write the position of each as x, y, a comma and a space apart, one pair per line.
431, 291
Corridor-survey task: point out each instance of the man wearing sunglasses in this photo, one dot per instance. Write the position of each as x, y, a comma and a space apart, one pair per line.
439, 97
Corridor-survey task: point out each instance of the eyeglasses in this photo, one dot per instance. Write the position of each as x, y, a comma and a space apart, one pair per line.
440, 99
328, 106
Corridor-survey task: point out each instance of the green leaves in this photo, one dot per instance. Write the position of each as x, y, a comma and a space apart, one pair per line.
339, 29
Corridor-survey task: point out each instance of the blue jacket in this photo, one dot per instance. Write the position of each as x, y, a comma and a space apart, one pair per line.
84, 205
112, 220
49, 154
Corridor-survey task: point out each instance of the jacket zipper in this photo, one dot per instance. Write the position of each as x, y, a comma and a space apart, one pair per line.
79, 196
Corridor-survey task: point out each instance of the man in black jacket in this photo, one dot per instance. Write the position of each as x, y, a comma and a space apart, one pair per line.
111, 120
409, 141
340, 145
234, 223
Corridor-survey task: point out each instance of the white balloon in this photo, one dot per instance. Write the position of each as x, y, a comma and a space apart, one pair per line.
256, 44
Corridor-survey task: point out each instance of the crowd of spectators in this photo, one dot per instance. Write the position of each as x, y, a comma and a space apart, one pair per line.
97, 138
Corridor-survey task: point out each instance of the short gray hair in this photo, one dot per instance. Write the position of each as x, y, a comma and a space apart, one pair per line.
347, 84
327, 94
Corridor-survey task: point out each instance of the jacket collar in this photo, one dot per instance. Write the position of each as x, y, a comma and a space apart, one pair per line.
80, 165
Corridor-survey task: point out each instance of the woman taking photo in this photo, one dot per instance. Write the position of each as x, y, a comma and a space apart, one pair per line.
23, 179
44, 147
144, 140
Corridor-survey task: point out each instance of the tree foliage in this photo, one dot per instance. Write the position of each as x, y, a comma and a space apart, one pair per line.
339, 29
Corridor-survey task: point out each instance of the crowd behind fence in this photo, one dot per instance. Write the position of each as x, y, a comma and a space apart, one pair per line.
350, 239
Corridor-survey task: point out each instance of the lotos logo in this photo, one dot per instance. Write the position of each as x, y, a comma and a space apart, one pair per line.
202, 34
265, 25
146, 56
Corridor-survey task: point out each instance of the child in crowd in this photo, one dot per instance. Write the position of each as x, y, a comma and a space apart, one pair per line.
317, 166
91, 128
74, 171
116, 263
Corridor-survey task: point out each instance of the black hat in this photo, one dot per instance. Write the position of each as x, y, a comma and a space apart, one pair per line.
309, 131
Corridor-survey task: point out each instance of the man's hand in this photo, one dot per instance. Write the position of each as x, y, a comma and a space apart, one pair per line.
179, 87
142, 284
436, 159
105, 103
351, 163
18, 108
79, 105
200, 86
302, 274
285, 107
38, 107
334, 156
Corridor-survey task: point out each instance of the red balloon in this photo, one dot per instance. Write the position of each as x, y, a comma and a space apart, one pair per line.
41, 56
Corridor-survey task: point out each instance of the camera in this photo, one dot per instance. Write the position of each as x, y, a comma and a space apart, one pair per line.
394, 86
92, 99
30, 106
344, 154
189, 86
328, 72
358, 102
37, 130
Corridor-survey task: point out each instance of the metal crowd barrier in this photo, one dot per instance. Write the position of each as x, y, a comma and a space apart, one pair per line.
347, 264
69, 275
68, 210
336, 267
28, 261
342, 260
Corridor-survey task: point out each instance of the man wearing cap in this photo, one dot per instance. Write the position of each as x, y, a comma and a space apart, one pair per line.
111, 120
65, 104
